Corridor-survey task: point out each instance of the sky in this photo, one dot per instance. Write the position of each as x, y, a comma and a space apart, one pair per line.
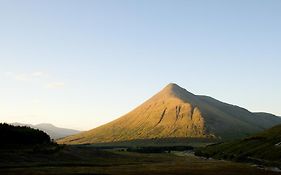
79, 64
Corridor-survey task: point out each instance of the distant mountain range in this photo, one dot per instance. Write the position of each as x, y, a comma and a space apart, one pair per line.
176, 113
53, 131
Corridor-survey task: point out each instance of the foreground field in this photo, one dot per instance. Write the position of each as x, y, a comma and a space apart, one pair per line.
87, 160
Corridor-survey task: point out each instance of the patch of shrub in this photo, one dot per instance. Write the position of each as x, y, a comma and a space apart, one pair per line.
159, 149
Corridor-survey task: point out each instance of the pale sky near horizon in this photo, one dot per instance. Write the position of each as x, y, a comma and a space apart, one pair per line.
79, 64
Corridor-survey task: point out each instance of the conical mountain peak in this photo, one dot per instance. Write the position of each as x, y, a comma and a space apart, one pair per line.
174, 90
176, 113
172, 86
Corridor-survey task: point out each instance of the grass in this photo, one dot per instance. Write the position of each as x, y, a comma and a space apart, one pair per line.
261, 149
82, 160
158, 142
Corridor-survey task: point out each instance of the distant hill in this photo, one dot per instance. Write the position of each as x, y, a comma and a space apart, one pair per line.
21, 135
263, 148
176, 113
53, 131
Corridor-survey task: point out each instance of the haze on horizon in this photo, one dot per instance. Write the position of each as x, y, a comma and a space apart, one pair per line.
79, 64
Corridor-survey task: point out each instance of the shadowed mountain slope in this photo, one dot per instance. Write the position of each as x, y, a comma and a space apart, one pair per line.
175, 112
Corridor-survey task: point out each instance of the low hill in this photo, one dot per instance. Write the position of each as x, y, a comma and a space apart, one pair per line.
21, 135
176, 113
53, 131
263, 148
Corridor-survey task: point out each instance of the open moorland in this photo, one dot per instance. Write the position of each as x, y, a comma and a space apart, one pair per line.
90, 160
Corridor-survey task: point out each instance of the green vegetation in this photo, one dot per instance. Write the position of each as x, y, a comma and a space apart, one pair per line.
159, 149
21, 135
78, 160
159, 142
263, 148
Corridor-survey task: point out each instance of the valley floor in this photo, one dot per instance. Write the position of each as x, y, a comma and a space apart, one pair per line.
73, 160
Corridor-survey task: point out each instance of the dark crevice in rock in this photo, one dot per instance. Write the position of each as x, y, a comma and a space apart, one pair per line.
178, 110
192, 112
162, 116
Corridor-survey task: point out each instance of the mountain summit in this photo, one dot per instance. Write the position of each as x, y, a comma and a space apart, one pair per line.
175, 112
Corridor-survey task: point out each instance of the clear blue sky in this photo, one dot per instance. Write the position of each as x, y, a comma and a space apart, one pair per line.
80, 63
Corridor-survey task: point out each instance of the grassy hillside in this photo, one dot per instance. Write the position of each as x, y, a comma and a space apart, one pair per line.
263, 148
231, 122
176, 113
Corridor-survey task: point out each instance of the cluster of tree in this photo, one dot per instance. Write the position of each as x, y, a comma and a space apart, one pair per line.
22, 135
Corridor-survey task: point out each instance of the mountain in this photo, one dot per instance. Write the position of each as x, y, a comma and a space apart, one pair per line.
173, 113
264, 147
266, 117
53, 131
